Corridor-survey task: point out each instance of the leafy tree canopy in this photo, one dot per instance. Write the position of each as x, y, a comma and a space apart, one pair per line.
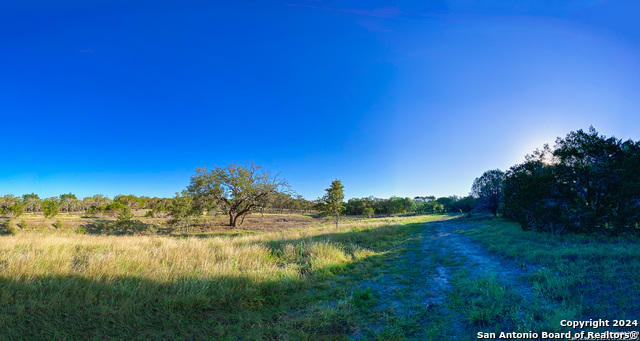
239, 189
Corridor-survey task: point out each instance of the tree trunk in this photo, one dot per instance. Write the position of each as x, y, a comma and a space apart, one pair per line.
232, 219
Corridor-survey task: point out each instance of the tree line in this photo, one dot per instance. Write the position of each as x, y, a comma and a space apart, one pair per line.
370, 206
236, 191
99, 206
586, 183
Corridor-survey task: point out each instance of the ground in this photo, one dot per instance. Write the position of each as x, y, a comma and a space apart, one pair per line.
297, 277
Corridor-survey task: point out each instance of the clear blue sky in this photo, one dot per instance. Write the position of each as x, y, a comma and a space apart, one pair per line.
394, 98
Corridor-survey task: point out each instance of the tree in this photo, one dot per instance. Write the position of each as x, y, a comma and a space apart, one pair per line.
488, 189
50, 207
331, 203
125, 217
181, 210
587, 183
67, 196
115, 208
31, 202
368, 212
7, 201
131, 201
92, 204
239, 189
13, 211
355, 206
69, 202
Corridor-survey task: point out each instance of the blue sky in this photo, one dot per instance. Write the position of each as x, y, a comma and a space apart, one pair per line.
393, 98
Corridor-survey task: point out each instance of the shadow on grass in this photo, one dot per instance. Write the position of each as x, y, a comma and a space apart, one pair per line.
111, 227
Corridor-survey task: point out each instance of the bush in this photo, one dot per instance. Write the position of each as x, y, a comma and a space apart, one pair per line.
115, 208
125, 217
58, 225
11, 227
22, 224
14, 211
49, 208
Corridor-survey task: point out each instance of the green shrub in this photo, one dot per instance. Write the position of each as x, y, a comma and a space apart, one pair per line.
368, 212
14, 211
58, 225
11, 227
49, 208
22, 224
125, 217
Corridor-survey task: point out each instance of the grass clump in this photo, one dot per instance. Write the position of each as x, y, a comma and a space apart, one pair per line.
11, 227
57, 225
23, 224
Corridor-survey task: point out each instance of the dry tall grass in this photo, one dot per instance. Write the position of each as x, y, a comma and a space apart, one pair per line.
62, 285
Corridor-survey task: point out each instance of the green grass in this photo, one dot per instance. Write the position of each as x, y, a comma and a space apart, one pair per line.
582, 276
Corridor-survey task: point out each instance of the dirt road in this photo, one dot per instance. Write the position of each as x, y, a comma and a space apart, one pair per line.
419, 282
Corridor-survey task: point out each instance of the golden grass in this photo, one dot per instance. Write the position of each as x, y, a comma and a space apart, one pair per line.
56, 284
32, 254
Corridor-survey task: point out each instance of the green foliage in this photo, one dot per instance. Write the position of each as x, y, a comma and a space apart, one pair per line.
181, 210
332, 202
237, 189
69, 202
125, 217
23, 225
14, 211
115, 208
98, 211
488, 189
11, 227
457, 204
10, 205
369, 212
587, 183
431, 207
50, 208
396, 205
26, 197
68, 196
92, 204
157, 211
131, 201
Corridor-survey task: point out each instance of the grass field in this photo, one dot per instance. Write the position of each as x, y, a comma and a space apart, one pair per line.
271, 285
420, 277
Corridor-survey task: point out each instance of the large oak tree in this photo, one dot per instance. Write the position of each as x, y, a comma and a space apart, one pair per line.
238, 189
